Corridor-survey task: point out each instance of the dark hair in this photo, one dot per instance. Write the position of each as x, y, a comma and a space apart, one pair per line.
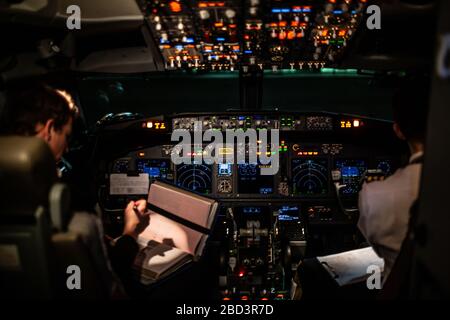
410, 108
32, 103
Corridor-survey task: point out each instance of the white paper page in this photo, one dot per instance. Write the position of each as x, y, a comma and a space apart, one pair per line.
165, 230
351, 266
158, 257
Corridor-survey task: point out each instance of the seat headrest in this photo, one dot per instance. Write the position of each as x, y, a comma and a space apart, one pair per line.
27, 172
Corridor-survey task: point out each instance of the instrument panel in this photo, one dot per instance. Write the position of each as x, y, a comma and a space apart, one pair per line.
266, 223
284, 122
311, 146
217, 35
302, 174
308, 182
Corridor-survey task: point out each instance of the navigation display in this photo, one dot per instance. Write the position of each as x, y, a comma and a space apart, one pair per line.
352, 171
196, 177
310, 176
156, 168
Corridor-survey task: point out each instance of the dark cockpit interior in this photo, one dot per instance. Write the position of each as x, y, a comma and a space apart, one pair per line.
323, 74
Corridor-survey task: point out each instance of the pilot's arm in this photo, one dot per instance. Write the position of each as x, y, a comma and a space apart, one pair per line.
125, 247
384, 212
378, 213
370, 221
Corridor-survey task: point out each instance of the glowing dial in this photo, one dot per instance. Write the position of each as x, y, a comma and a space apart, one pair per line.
224, 186
196, 177
310, 176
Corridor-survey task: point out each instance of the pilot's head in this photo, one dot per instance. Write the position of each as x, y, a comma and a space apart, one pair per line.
37, 109
410, 110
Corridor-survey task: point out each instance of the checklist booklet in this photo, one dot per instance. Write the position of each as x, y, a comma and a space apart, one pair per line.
179, 226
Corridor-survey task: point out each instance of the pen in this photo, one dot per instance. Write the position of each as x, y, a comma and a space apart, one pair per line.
136, 210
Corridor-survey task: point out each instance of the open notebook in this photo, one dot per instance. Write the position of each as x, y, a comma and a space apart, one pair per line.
179, 227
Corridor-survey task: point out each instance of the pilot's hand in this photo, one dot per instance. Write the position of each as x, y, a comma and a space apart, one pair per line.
136, 218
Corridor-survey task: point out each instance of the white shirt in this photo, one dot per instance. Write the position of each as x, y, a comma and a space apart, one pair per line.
385, 210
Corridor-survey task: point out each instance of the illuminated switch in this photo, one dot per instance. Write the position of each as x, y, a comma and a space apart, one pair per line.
175, 6
204, 14
230, 13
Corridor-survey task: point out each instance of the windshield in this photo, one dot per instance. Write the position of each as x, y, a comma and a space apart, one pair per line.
340, 91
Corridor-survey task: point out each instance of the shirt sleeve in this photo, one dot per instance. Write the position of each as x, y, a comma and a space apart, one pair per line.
364, 212
122, 254
376, 216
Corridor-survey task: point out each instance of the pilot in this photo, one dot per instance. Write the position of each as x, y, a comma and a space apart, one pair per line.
36, 109
385, 205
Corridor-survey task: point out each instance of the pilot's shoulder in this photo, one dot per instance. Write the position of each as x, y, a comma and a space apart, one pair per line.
84, 224
390, 184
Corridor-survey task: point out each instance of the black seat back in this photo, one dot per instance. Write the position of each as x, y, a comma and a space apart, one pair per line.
27, 172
